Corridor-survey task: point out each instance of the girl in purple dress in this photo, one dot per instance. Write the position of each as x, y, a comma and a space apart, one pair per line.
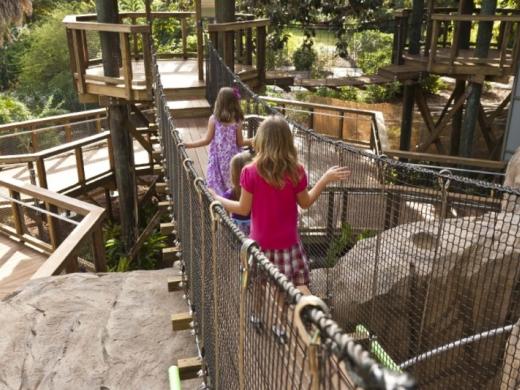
224, 137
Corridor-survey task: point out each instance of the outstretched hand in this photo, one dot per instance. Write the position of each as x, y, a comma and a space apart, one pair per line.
336, 174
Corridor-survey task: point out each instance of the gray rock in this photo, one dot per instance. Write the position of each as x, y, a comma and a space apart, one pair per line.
87, 331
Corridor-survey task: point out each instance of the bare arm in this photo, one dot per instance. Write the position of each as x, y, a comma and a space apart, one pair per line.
241, 141
306, 198
207, 138
240, 207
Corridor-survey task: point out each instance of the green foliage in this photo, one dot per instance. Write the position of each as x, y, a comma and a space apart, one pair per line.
304, 57
45, 64
343, 242
432, 84
371, 49
12, 110
149, 254
382, 93
345, 93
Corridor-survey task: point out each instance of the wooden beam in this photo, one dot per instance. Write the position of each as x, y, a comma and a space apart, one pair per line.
171, 254
189, 368
438, 130
144, 235
236, 26
168, 228
181, 321
175, 283
427, 116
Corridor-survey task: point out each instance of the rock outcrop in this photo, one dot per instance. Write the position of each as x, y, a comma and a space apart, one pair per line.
88, 331
421, 285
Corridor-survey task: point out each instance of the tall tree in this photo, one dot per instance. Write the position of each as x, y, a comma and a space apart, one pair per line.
119, 122
12, 12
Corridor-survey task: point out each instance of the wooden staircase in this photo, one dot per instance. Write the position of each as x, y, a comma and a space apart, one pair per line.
188, 101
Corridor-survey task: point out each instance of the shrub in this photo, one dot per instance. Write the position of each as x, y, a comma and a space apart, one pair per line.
382, 93
432, 84
304, 57
371, 49
12, 110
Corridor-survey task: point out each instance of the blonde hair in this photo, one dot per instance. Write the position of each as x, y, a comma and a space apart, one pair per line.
238, 162
227, 106
276, 155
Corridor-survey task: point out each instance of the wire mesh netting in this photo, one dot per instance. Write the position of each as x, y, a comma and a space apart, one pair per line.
419, 266
254, 328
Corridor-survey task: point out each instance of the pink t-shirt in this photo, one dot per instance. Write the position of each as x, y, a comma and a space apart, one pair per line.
274, 212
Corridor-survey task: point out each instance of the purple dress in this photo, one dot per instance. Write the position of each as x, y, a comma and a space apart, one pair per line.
222, 148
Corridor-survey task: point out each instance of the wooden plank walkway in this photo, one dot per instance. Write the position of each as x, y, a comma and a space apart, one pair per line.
17, 264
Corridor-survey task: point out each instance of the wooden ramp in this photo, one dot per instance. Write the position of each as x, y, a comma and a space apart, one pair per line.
17, 264
287, 79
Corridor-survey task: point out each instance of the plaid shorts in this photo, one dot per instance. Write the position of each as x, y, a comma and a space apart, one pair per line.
292, 262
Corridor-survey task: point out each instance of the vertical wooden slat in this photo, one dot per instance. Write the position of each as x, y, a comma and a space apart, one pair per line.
147, 58
78, 58
42, 181
249, 46
126, 60
134, 40
229, 52
184, 30
260, 54
80, 166
98, 123
340, 125
516, 49
110, 153
68, 133
17, 212
99, 250
504, 42
311, 118
84, 46
34, 141
71, 264
433, 44
200, 42
240, 46
455, 44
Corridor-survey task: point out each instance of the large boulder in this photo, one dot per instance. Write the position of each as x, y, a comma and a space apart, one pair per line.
421, 285
88, 331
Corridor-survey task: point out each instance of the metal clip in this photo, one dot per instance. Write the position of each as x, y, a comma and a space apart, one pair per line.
245, 258
185, 163
304, 302
198, 179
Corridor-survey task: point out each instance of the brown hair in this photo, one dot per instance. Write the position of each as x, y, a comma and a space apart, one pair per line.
238, 162
276, 155
227, 106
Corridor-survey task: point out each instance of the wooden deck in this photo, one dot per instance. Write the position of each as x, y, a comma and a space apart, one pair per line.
17, 264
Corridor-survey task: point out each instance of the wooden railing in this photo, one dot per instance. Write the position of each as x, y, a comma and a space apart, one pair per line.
93, 82
378, 137
500, 61
26, 201
440, 38
34, 131
242, 41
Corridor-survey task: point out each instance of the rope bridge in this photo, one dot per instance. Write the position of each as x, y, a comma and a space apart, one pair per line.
418, 271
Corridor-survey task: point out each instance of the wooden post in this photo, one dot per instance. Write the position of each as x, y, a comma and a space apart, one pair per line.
249, 46
469, 124
19, 222
260, 54
200, 41
407, 116
126, 58
225, 12
415, 26
68, 133
184, 29
98, 248
80, 167
118, 123
229, 49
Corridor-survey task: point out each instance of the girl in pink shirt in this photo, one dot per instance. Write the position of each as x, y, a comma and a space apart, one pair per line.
273, 186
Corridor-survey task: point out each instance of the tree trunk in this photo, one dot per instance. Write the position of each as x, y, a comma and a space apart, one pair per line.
472, 105
118, 119
225, 12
